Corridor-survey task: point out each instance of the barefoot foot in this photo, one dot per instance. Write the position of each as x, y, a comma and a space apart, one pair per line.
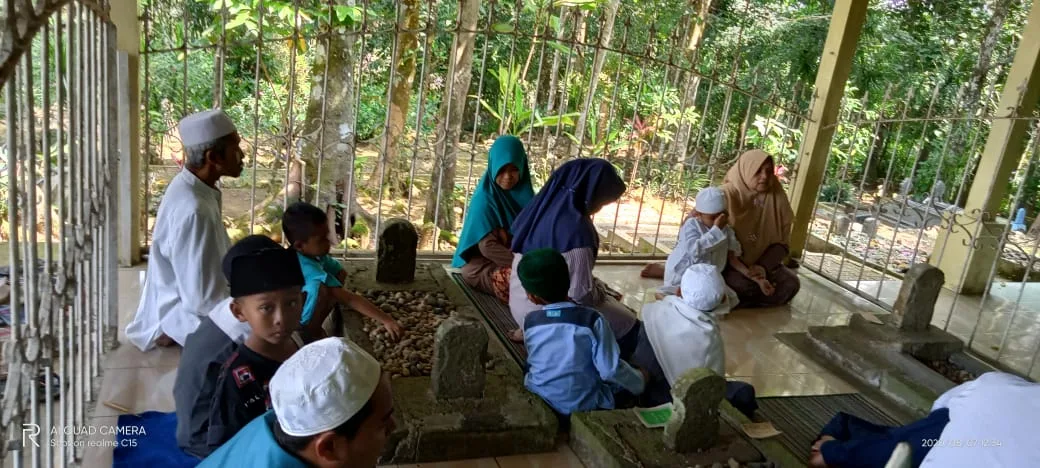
653, 270
165, 341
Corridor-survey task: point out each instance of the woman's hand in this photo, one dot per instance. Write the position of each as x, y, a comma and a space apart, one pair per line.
503, 236
756, 272
767, 288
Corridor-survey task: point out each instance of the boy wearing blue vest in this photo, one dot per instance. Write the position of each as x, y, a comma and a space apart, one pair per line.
573, 359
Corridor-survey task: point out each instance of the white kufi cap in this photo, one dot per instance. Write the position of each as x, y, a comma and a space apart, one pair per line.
710, 200
322, 386
703, 287
205, 127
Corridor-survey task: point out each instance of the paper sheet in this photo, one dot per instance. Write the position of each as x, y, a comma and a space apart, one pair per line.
870, 317
657, 416
762, 430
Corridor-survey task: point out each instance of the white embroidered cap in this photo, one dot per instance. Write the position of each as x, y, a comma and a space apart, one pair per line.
703, 287
322, 386
710, 200
205, 127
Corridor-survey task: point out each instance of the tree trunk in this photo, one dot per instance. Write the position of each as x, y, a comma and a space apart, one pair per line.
554, 79
606, 35
440, 199
329, 138
574, 61
977, 81
387, 170
1034, 229
695, 36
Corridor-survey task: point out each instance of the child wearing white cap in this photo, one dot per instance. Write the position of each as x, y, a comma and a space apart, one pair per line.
705, 237
680, 333
332, 407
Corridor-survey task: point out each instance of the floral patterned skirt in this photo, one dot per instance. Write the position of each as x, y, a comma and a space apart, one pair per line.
500, 283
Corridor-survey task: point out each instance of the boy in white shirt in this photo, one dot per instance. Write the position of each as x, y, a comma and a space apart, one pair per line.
705, 237
680, 332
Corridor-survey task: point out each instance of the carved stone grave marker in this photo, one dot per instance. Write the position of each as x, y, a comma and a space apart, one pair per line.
460, 347
395, 257
695, 415
916, 301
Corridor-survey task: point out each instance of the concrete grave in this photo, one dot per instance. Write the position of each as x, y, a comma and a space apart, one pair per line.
395, 256
697, 434
458, 358
915, 304
497, 417
887, 360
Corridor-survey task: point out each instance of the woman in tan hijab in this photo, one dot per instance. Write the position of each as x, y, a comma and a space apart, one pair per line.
761, 216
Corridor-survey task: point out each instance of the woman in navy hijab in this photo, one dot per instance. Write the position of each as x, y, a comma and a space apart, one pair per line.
560, 217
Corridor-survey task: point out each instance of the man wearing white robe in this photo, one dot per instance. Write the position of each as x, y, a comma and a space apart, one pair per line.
184, 280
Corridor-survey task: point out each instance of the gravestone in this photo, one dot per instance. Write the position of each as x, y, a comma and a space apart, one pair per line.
870, 226
695, 415
460, 347
841, 225
395, 256
938, 191
916, 301
905, 187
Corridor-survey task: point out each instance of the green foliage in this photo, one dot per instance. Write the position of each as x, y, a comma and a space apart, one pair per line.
837, 191
511, 109
775, 138
769, 49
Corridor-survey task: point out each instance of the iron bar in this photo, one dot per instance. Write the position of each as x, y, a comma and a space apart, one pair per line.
256, 110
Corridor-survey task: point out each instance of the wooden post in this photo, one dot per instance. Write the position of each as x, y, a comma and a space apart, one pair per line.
838, 52
128, 40
961, 257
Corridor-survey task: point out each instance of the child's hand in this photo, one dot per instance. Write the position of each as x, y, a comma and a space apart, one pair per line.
644, 373
766, 286
756, 272
721, 221
394, 329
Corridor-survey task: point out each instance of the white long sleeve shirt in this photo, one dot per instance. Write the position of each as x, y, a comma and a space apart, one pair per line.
699, 244
994, 421
184, 280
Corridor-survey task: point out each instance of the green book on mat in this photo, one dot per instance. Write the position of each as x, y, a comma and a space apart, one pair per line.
657, 416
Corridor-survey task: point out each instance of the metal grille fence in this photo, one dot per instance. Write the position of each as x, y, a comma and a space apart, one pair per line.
898, 178
58, 155
374, 112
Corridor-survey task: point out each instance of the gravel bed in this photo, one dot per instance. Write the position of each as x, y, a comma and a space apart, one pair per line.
419, 313
951, 371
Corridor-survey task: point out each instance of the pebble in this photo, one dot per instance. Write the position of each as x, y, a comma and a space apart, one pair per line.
419, 313
951, 371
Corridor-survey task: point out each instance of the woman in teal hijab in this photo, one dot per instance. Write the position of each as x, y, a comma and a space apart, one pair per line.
504, 189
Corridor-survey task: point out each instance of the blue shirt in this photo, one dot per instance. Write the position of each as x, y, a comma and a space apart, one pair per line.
317, 272
254, 446
573, 359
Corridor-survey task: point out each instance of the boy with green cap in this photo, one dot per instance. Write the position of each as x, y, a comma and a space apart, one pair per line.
223, 389
573, 359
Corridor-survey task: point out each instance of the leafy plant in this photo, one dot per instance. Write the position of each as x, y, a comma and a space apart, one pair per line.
510, 107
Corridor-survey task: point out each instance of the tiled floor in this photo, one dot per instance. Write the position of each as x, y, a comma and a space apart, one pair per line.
144, 381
